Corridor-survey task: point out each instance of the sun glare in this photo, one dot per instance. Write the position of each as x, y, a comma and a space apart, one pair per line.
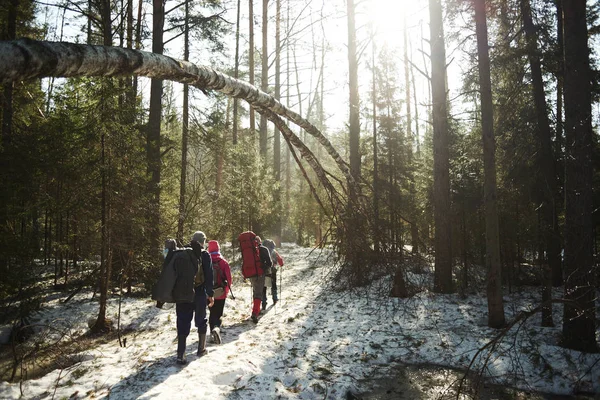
389, 17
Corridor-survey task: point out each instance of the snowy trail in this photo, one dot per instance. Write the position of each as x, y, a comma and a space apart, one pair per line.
253, 360
313, 344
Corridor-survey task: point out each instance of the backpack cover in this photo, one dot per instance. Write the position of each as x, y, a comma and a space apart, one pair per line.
176, 281
251, 264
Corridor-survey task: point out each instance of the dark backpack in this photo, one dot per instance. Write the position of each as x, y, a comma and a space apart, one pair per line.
176, 281
251, 264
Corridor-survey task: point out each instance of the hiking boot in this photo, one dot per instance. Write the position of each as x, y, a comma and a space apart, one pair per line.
264, 306
181, 349
255, 318
201, 345
215, 334
275, 301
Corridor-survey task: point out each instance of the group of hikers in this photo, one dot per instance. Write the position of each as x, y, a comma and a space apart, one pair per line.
197, 276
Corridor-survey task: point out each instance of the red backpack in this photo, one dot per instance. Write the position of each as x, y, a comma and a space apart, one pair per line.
251, 265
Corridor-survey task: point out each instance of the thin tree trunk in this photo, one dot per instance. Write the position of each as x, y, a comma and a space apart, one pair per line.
153, 135
251, 59
184, 129
441, 157
557, 277
264, 81
414, 232
354, 122
288, 155
492, 240
101, 324
376, 190
236, 73
276, 133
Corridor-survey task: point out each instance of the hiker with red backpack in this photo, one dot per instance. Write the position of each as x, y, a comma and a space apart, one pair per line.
221, 286
271, 279
256, 261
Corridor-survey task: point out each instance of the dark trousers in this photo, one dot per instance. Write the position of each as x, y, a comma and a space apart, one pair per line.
273, 288
197, 310
216, 313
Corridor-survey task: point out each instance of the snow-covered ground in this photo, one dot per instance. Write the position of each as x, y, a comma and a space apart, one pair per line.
314, 344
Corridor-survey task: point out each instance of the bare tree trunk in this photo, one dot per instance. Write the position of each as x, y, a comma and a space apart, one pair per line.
414, 232
579, 328
376, 190
138, 41
354, 122
492, 239
288, 152
264, 81
557, 275
153, 134
441, 157
184, 129
546, 165
276, 133
251, 59
6, 130
236, 73
102, 324
68, 59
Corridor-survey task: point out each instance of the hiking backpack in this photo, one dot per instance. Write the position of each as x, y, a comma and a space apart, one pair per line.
270, 245
176, 281
251, 264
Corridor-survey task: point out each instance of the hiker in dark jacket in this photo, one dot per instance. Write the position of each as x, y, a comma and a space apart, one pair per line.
203, 291
166, 285
271, 280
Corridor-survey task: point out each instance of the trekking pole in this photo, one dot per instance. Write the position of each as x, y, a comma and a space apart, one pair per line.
230, 290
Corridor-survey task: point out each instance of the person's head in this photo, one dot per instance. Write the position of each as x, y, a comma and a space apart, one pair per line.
199, 237
258, 240
269, 244
170, 245
213, 246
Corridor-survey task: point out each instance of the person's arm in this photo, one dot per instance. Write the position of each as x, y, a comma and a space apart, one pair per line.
208, 273
208, 277
227, 271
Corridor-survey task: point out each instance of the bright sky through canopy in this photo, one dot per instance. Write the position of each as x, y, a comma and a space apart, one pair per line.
388, 18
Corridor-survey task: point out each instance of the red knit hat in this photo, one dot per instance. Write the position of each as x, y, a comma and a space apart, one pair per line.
213, 246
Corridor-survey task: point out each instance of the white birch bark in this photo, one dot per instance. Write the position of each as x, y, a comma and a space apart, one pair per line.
27, 59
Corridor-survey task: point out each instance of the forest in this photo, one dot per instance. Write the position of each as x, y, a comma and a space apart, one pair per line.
460, 134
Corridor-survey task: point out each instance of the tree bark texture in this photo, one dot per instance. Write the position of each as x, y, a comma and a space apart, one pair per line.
354, 99
185, 116
26, 59
579, 328
264, 78
153, 134
548, 191
492, 239
441, 157
251, 57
